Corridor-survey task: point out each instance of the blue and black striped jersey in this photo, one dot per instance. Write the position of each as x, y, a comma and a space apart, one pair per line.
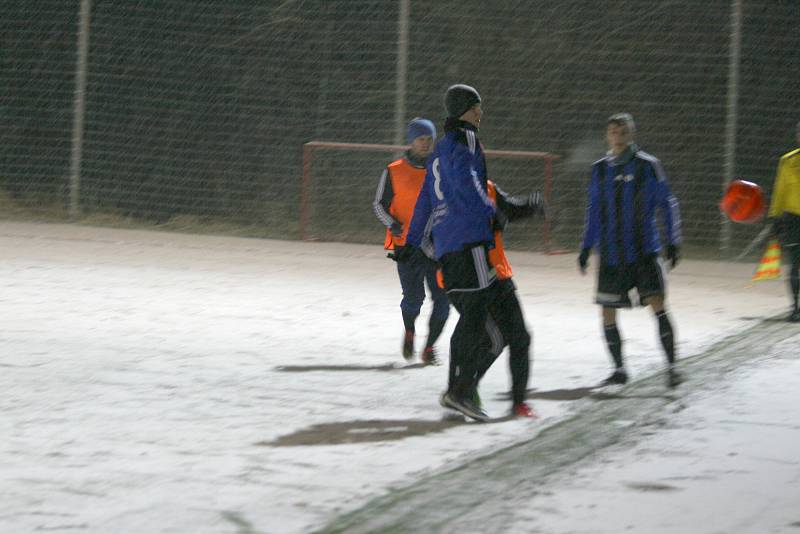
624, 197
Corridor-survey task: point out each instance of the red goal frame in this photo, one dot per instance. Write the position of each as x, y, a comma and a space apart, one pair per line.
312, 146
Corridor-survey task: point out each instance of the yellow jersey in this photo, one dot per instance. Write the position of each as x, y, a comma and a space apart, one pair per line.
786, 192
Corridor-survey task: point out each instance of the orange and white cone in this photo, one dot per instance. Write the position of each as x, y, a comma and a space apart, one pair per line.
769, 268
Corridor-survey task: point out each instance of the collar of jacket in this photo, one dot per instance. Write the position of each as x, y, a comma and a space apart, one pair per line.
625, 156
416, 161
453, 123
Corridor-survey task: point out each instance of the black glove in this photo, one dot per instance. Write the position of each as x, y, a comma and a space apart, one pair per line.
406, 253
583, 259
500, 221
673, 255
400, 254
536, 201
396, 229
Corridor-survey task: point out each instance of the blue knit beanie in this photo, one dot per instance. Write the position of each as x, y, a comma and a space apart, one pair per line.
419, 127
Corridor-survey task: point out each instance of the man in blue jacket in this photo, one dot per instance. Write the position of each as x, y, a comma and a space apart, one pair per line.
455, 209
626, 188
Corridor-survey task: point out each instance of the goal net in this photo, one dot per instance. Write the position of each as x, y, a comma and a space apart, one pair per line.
340, 181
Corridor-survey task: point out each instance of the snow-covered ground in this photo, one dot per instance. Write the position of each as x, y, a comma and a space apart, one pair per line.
729, 462
157, 382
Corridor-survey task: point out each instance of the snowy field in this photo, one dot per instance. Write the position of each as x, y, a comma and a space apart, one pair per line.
168, 383
727, 462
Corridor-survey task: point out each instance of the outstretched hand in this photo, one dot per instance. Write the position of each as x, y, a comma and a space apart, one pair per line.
583, 259
537, 203
673, 255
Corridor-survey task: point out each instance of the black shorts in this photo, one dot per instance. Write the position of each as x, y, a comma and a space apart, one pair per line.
468, 269
614, 283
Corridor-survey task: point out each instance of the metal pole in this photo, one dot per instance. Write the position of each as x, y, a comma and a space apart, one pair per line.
402, 72
732, 116
79, 107
305, 193
548, 193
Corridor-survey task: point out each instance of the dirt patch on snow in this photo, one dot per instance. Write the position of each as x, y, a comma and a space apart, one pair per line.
362, 432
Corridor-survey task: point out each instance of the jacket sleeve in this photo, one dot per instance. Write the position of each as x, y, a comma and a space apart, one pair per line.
668, 204
383, 199
513, 207
776, 205
422, 214
469, 166
591, 229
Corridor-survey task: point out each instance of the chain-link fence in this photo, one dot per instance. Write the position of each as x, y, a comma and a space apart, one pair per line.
195, 112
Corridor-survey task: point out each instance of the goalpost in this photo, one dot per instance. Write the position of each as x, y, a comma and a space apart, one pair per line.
309, 181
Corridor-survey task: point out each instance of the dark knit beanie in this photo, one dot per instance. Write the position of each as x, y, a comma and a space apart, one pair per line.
459, 98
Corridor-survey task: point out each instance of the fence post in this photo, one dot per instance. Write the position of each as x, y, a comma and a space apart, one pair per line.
305, 194
402, 73
731, 118
548, 193
79, 107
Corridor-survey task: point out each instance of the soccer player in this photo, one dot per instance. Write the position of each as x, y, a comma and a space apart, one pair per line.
397, 193
455, 203
505, 326
506, 323
784, 213
626, 188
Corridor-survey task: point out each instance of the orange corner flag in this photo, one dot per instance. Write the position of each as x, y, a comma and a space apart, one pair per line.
769, 268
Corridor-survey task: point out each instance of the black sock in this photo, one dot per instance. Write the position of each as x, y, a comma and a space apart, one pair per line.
667, 337
614, 343
435, 327
794, 283
408, 321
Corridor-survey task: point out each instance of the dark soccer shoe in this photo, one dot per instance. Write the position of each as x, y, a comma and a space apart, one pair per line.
794, 317
674, 378
408, 345
620, 376
429, 356
465, 406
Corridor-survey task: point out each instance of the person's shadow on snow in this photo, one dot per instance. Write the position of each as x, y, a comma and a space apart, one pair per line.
592, 392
